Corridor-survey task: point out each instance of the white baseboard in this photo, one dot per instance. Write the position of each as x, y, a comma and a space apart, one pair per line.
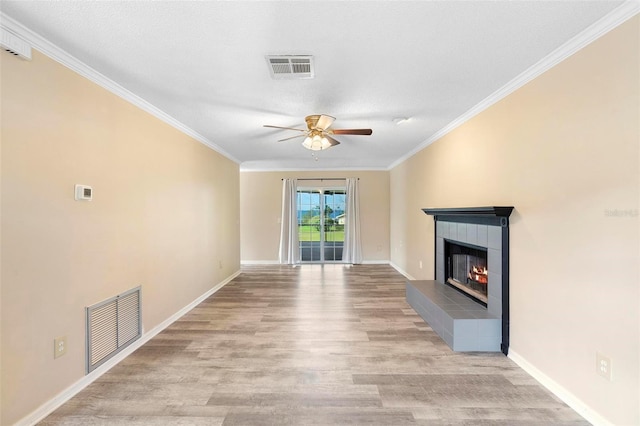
397, 268
259, 262
563, 394
48, 407
275, 262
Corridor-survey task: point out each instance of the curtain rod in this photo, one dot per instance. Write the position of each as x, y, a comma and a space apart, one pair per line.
322, 179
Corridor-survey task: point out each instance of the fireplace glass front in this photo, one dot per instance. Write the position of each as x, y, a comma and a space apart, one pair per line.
466, 270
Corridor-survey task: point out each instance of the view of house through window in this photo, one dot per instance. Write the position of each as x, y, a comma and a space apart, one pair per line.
321, 224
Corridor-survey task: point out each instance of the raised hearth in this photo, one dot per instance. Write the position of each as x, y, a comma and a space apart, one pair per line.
472, 258
463, 324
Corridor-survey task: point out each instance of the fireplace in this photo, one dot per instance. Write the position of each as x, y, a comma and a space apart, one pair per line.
466, 270
468, 302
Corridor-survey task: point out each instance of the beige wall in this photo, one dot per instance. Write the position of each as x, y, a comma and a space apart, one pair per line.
164, 215
564, 150
261, 206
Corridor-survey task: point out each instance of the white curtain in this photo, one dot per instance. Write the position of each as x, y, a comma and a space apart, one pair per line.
352, 252
289, 253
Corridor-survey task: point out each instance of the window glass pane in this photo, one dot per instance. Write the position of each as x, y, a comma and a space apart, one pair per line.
321, 224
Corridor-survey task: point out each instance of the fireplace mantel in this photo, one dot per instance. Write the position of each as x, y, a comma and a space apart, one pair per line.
492, 215
470, 211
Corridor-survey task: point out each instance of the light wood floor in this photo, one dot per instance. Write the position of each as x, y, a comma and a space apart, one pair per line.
311, 345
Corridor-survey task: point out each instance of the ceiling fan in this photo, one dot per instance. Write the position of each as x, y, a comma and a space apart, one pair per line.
319, 134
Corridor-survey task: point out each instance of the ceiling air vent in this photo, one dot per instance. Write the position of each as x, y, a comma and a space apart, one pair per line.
290, 67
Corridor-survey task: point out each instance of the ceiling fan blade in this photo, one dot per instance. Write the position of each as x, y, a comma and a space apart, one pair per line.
285, 128
365, 132
331, 140
292, 137
324, 122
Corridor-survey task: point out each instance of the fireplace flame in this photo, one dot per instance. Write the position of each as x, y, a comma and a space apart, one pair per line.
479, 274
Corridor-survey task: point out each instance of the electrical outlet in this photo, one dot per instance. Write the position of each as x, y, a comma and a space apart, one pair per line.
59, 346
421, 264
603, 366
220, 264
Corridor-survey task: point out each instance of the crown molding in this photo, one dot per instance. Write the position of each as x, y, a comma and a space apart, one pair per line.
314, 170
613, 19
59, 55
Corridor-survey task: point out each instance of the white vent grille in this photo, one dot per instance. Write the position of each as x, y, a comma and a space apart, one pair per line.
291, 67
112, 325
14, 45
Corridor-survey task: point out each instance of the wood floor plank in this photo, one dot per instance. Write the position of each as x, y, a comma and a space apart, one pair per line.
310, 345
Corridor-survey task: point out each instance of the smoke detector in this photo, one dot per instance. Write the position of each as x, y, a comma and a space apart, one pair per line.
15, 45
290, 66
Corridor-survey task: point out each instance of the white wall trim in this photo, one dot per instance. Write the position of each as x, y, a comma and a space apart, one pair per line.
558, 390
616, 17
403, 272
257, 169
48, 407
54, 52
259, 262
275, 262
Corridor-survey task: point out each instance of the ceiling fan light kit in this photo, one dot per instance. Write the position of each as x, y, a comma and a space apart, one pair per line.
316, 143
318, 135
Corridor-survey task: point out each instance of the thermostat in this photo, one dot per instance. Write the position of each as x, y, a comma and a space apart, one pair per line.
83, 193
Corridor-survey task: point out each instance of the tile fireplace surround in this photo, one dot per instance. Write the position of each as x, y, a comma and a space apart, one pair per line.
463, 323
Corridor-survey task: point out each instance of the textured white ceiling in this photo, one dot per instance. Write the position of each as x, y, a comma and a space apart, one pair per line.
203, 63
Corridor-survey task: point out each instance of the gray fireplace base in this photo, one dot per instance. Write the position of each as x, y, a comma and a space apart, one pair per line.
462, 323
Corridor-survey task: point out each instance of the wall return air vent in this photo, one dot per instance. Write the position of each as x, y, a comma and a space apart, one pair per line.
290, 66
112, 325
